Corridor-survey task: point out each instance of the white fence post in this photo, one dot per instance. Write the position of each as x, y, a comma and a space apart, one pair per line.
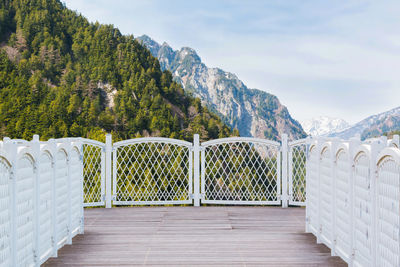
284, 195
196, 159
11, 150
375, 147
334, 145
52, 144
68, 146
108, 170
82, 223
319, 147
353, 144
36, 151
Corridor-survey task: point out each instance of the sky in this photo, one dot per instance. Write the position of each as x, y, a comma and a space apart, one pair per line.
320, 58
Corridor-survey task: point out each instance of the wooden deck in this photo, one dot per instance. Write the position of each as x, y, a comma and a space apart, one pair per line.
190, 236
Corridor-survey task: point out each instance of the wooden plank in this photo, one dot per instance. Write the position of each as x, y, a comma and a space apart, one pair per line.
195, 236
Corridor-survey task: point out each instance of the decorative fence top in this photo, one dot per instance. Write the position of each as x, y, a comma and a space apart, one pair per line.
353, 197
40, 198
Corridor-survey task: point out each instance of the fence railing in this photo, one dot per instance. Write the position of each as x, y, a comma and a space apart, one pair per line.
40, 199
152, 171
297, 171
160, 171
241, 171
94, 172
353, 199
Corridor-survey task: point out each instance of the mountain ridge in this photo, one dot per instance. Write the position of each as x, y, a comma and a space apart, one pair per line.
324, 125
253, 112
373, 125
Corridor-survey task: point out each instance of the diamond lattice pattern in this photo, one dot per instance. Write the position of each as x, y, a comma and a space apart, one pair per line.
152, 172
92, 173
298, 170
241, 171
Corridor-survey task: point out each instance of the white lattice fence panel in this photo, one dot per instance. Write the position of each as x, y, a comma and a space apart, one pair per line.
312, 190
326, 184
362, 211
45, 202
152, 172
24, 213
61, 197
297, 174
241, 172
76, 189
388, 184
5, 216
342, 204
93, 174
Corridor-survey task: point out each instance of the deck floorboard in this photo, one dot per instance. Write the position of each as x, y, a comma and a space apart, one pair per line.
195, 236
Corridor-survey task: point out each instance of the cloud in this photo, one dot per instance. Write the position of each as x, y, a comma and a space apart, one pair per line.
336, 58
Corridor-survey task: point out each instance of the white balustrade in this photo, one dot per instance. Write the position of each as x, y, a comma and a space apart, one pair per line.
353, 199
159, 171
350, 188
242, 171
41, 199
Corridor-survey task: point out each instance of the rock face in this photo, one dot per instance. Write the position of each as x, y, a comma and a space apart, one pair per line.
374, 125
253, 112
322, 126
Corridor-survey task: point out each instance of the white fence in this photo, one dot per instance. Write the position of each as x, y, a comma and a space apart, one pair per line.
353, 199
152, 171
94, 172
241, 171
40, 199
45, 185
160, 171
353, 188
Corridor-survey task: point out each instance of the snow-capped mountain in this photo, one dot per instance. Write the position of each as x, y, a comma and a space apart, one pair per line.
323, 125
374, 125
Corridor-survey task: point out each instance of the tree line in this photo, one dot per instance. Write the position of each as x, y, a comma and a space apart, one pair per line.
63, 76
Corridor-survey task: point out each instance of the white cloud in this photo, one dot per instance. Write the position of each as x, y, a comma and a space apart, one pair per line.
336, 58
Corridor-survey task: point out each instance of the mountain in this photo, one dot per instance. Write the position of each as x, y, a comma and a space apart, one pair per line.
63, 76
253, 112
323, 125
374, 125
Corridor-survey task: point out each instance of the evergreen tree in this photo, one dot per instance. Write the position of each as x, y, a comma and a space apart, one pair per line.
63, 76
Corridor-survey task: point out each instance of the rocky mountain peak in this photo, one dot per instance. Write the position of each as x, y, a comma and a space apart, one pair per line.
189, 55
253, 112
324, 125
151, 44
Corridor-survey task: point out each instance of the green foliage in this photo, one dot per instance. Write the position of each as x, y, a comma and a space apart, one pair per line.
390, 134
63, 76
241, 171
387, 126
152, 172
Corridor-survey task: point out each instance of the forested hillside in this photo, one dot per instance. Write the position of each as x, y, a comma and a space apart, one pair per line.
63, 76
